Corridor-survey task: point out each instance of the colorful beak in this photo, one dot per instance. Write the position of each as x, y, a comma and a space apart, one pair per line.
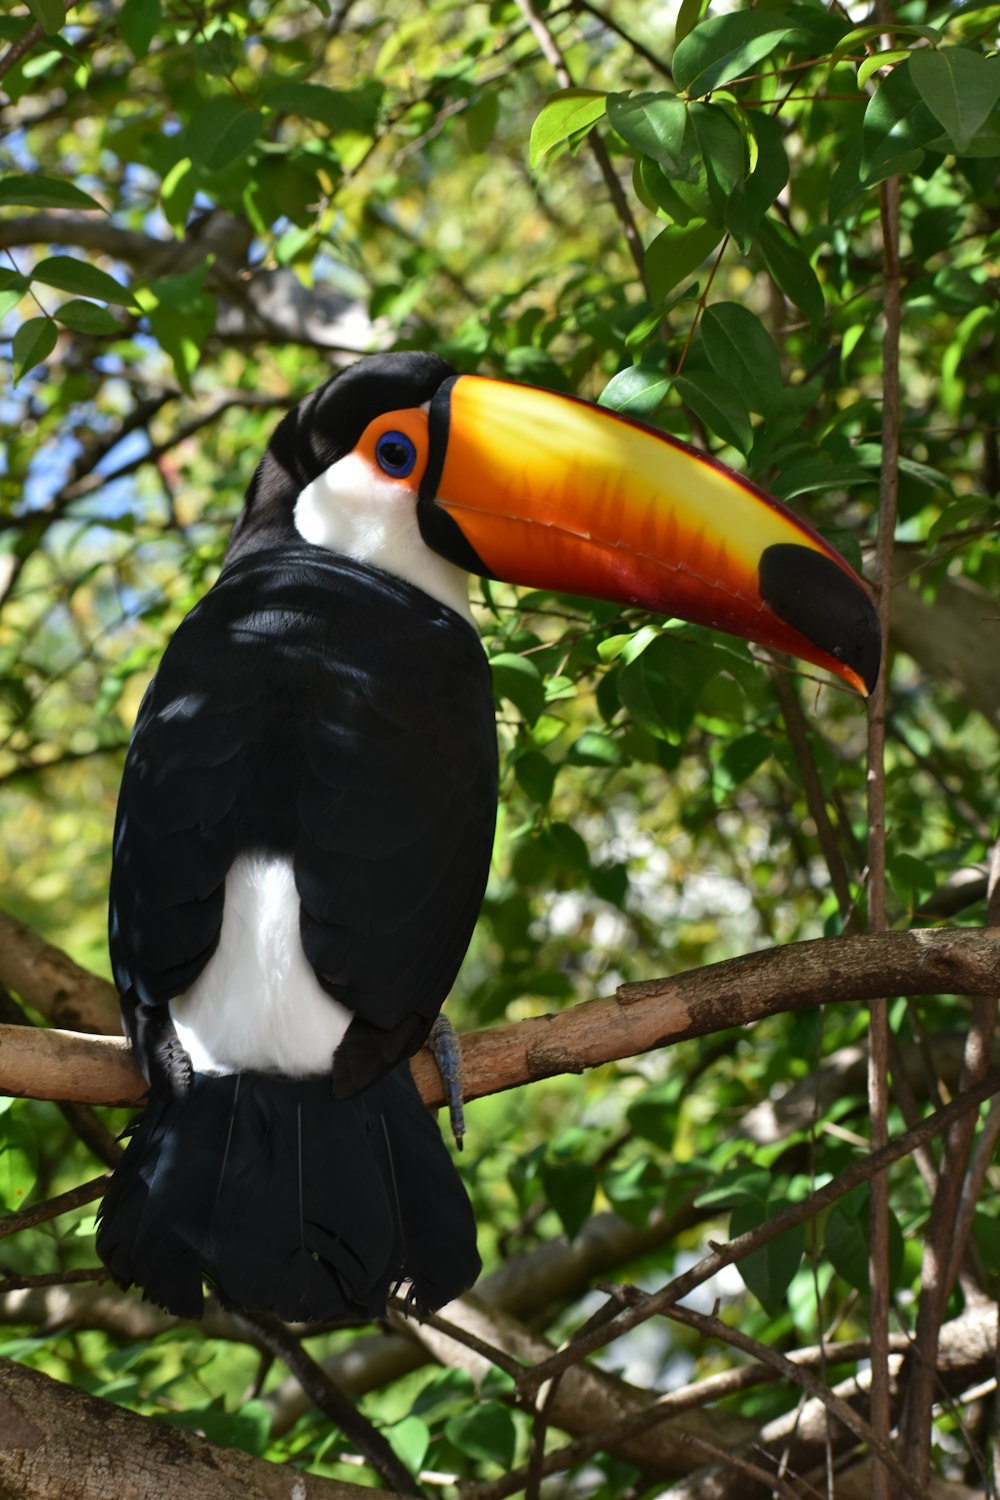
549, 491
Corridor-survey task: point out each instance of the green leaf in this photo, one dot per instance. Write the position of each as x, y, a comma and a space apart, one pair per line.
768, 1272
742, 757
517, 679
68, 274
658, 125
719, 406
879, 60
34, 341
18, 1161
676, 254
690, 13
752, 197
43, 192
245, 1428
221, 131
635, 1191
138, 22
181, 315
959, 87
338, 109
791, 270
409, 1440
653, 1115
727, 47
897, 125
536, 774
636, 392
804, 479
682, 202
724, 153
661, 688
566, 849
741, 351
86, 317
481, 119
177, 192
912, 878
860, 35
845, 1238
570, 1187
486, 1433
12, 290
50, 14
594, 749
744, 1184
566, 114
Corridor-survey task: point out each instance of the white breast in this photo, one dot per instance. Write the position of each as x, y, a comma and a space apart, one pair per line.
256, 1005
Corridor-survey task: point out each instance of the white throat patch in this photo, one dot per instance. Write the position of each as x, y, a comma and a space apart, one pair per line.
373, 519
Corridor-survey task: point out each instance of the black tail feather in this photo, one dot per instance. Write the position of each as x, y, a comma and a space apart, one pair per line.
289, 1201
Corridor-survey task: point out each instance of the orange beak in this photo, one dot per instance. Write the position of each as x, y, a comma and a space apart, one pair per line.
552, 492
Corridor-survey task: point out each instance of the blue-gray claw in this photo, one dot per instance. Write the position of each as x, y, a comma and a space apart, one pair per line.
444, 1044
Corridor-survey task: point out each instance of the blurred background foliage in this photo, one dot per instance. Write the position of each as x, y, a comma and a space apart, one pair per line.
207, 206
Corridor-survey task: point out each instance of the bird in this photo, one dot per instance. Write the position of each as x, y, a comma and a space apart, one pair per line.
307, 809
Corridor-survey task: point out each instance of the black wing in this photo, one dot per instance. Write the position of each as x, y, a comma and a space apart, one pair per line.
396, 816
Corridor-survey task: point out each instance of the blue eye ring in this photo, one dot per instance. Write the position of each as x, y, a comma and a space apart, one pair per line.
396, 454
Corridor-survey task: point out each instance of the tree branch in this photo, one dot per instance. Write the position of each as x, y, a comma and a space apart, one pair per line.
58, 1443
42, 1064
878, 1072
49, 981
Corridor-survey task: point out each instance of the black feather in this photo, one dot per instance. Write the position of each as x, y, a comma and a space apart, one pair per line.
288, 1200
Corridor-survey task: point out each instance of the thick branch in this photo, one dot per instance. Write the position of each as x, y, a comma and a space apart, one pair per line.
50, 982
639, 1018
57, 1443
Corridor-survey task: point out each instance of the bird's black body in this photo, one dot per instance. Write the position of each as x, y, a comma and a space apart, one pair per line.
319, 710
313, 708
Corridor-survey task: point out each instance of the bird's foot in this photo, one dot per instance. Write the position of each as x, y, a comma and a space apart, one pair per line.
160, 1052
444, 1044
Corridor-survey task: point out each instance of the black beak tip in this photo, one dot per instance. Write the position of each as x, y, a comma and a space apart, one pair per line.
814, 596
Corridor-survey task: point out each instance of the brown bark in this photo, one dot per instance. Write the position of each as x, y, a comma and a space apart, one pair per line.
57, 1443
639, 1018
49, 981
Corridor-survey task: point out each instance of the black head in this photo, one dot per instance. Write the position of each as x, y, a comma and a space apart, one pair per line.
324, 427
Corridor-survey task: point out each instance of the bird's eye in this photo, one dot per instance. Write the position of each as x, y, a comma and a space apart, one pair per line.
396, 454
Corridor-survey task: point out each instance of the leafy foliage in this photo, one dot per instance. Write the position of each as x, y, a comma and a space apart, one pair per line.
204, 207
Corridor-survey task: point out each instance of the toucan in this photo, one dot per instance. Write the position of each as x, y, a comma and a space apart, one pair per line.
307, 809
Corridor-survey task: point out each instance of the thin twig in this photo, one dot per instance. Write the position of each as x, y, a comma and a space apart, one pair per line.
63, 1203
331, 1401
798, 736
878, 1072
12, 1282
17, 50
549, 48
637, 47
